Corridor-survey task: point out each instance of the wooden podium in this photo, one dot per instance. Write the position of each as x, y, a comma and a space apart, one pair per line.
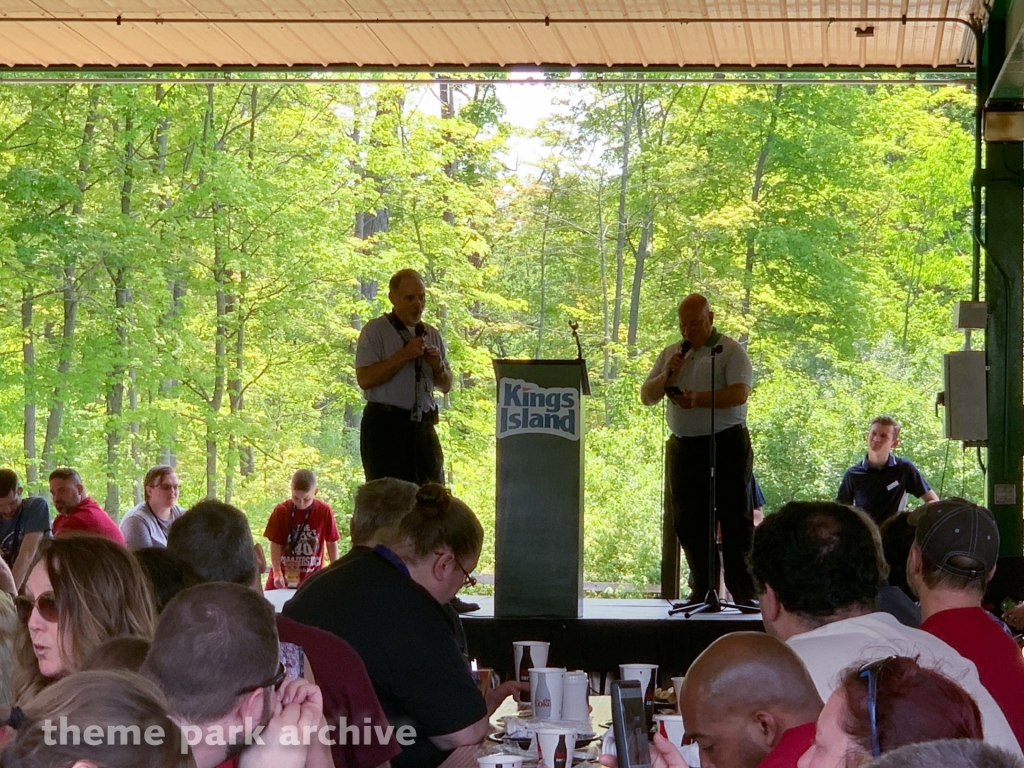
538, 539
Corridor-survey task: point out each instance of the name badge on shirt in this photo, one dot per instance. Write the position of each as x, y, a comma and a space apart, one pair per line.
894, 484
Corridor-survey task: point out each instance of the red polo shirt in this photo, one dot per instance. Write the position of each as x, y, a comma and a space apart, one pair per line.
89, 517
791, 746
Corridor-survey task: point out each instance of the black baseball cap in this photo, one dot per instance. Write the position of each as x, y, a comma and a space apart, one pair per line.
957, 528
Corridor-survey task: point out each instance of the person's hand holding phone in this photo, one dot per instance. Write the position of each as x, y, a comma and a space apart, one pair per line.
663, 755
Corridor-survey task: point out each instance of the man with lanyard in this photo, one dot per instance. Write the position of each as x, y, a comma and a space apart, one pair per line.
400, 361
24, 522
300, 529
682, 372
879, 485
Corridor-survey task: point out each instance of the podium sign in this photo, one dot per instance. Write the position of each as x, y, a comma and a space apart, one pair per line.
538, 538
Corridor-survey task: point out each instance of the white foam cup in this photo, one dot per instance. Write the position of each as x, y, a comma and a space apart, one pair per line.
547, 744
546, 688
538, 658
500, 761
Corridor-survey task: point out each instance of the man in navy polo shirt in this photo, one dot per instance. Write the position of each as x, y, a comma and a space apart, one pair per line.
878, 483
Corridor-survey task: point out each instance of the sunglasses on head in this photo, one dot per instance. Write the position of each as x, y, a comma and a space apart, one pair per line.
871, 672
274, 682
46, 604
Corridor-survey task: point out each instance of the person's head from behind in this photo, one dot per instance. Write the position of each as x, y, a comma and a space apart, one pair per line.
167, 573
741, 694
129, 712
214, 540
897, 539
883, 436
910, 703
303, 488
948, 753
215, 657
161, 487
956, 547
380, 505
10, 493
440, 541
66, 489
814, 562
124, 654
81, 591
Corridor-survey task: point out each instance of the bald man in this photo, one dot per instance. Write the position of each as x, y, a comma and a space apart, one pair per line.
682, 372
748, 702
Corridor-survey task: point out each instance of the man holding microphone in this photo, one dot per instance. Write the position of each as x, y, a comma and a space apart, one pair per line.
682, 373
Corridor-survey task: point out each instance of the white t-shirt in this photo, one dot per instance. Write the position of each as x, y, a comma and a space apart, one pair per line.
830, 650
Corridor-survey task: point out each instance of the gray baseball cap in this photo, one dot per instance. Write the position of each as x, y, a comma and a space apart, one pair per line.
957, 528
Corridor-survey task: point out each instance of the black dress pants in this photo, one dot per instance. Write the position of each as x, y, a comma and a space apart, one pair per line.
688, 473
393, 445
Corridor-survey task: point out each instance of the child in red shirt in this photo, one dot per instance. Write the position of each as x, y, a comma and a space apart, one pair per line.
299, 530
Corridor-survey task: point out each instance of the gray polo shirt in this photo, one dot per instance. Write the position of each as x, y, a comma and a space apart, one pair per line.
378, 341
732, 366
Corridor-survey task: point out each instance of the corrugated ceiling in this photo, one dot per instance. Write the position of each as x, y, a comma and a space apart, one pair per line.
487, 33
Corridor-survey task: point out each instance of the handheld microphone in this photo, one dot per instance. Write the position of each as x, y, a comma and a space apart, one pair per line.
686, 347
420, 329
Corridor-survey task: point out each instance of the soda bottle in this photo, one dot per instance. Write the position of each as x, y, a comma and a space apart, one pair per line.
561, 757
524, 674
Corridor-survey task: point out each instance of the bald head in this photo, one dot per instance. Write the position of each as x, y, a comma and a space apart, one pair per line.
748, 671
695, 302
695, 319
741, 695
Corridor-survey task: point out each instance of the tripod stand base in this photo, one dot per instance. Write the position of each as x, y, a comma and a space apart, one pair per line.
712, 603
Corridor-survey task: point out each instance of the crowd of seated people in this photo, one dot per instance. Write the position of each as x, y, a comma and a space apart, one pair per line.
161, 624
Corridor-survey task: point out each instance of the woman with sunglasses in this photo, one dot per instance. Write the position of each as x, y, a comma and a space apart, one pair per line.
81, 591
386, 599
146, 524
887, 704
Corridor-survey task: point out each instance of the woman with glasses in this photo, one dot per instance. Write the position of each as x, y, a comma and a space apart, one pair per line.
81, 591
386, 601
146, 525
887, 704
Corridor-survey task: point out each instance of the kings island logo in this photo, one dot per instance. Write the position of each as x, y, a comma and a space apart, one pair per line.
525, 408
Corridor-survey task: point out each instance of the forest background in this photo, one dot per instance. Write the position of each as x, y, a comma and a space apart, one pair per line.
184, 270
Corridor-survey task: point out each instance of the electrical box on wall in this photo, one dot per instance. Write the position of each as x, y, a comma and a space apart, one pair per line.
965, 396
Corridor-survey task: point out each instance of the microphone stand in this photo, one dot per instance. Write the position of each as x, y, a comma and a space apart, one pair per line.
712, 602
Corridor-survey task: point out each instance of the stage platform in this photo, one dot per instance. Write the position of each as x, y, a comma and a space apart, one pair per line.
611, 632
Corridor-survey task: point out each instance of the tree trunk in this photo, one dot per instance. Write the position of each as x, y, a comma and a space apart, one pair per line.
165, 453
55, 416
543, 265
28, 353
122, 297
755, 196
642, 252
221, 275
620, 241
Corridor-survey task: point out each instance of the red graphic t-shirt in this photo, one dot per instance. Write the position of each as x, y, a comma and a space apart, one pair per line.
302, 535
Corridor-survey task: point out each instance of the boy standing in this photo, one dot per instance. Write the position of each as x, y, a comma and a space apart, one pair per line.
878, 484
299, 530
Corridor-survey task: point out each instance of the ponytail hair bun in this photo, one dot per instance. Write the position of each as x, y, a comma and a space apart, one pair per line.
433, 500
